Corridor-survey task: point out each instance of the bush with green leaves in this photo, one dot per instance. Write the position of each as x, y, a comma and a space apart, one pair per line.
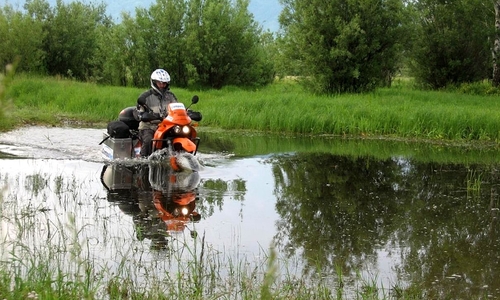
211, 43
452, 43
342, 45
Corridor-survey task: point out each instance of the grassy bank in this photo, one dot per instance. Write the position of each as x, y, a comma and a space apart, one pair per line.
5, 80
400, 111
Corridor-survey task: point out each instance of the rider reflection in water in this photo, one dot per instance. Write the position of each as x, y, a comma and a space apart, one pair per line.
161, 201
167, 215
154, 101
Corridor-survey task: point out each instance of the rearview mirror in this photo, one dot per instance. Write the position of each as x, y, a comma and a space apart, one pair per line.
195, 99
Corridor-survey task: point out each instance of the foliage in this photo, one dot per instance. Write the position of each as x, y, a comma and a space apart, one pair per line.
69, 36
154, 39
22, 41
209, 43
172, 51
2, 96
116, 56
332, 46
452, 44
484, 87
224, 42
342, 46
2, 99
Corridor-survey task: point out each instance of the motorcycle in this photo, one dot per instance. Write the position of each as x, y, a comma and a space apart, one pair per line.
161, 201
175, 200
176, 211
175, 140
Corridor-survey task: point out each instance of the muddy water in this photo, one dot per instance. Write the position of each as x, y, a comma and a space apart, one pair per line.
398, 214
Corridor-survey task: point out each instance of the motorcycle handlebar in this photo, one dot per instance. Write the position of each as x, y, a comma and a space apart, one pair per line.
148, 117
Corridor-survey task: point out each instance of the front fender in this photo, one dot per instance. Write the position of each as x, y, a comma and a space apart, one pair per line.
185, 143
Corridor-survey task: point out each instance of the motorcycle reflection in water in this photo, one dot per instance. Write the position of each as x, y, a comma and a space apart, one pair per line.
162, 202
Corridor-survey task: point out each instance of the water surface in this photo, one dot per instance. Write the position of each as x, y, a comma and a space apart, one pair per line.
395, 213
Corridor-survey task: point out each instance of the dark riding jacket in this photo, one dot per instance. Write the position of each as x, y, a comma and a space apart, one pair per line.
154, 102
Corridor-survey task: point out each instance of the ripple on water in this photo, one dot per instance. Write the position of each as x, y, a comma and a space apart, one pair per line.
53, 143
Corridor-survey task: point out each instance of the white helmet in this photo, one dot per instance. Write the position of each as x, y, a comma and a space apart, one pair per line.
159, 75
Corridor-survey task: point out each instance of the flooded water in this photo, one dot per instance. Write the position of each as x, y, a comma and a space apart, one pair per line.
406, 215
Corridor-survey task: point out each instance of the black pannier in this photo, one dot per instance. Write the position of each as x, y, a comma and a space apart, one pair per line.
118, 129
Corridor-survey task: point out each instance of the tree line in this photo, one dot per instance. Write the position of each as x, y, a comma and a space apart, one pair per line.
334, 46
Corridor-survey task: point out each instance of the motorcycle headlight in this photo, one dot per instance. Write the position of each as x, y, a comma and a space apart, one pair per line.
177, 129
184, 211
176, 212
186, 130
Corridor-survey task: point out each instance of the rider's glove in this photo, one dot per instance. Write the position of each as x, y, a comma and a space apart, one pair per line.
148, 117
194, 115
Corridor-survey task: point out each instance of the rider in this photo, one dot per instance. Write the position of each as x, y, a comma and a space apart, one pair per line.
155, 101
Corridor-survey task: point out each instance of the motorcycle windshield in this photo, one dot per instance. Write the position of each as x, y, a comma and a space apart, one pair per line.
177, 114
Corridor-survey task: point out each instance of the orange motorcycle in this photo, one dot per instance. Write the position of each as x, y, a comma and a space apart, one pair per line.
171, 209
175, 139
176, 210
174, 197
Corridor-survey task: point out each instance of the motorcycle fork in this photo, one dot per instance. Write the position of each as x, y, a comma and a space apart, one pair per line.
172, 158
196, 141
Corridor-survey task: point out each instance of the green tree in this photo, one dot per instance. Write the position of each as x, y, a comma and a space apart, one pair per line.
496, 46
211, 43
71, 38
132, 49
453, 42
111, 56
21, 40
225, 44
154, 39
342, 45
168, 34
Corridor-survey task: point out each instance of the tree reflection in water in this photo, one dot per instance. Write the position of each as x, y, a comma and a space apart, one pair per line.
339, 212
340, 204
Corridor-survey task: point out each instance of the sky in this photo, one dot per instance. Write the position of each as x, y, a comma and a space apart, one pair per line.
265, 12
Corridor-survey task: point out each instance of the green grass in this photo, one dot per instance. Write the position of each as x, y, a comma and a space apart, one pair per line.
48, 254
284, 107
62, 271
34, 275
5, 105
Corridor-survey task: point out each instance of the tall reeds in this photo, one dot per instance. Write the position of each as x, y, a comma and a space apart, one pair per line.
59, 239
5, 81
283, 107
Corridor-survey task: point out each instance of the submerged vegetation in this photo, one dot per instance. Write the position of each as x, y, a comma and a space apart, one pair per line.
64, 238
30, 272
66, 265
